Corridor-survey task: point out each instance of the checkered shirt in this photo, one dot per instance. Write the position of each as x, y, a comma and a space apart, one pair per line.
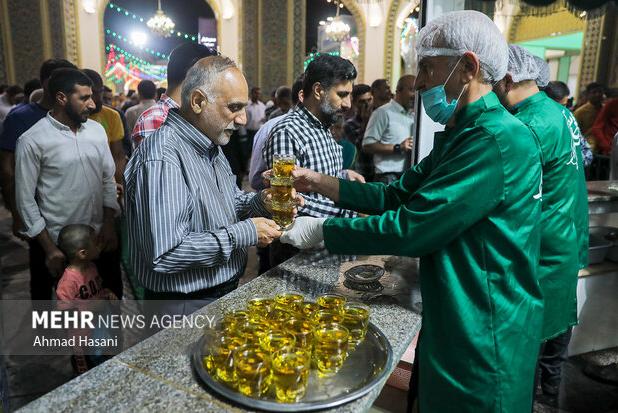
301, 134
152, 119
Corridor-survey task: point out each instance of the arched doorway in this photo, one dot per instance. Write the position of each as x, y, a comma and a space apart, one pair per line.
355, 18
396, 24
149, 61
361, 27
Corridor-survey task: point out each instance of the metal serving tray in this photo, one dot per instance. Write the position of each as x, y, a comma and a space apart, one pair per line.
362, 371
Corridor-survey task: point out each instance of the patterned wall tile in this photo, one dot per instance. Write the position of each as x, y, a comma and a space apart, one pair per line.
250, 38
70, 32
26, 32
300, 17
56, 23
274, 44
4, 78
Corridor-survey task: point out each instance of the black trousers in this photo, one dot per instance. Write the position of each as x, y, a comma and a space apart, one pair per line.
280, 252
42, 282
551, 358
263, 254
159, 303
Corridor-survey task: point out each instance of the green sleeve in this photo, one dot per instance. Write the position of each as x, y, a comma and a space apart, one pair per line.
375, 198
460, 191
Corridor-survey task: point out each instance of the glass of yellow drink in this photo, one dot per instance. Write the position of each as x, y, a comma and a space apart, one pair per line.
283, 213
220, 359
333, 302
275, 340
330, 348
309, 308
290, 372
289, 301
252, 367
302, 329
326, 317
283, 165
260, 306
356, 320
281, 190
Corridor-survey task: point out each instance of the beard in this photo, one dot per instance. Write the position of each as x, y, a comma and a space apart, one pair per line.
330, 114
226, 134
77, 117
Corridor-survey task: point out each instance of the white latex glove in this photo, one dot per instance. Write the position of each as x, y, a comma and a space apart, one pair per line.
306, 232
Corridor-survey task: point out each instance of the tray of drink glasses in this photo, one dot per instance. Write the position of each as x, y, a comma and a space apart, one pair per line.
267, 378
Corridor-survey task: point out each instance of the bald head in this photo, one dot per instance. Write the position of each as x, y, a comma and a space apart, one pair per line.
405, 91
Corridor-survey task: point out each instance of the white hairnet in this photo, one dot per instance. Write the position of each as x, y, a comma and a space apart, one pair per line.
523, 65
455, 33
543, 79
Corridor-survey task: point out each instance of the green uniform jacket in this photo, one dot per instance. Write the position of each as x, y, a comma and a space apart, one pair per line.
470, 211
563, 177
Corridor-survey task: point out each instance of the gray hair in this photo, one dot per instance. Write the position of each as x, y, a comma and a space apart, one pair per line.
203, 76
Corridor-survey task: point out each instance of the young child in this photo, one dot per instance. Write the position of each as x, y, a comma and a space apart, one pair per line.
80, 280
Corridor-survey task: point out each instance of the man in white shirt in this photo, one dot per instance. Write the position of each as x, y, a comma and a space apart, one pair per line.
255, 112
8, 100
389, 133
147, 91
64, 174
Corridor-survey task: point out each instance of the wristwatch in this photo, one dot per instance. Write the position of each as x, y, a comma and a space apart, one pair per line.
397, 148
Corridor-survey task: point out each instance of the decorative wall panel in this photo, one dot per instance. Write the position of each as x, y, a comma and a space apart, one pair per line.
71, 42
4, 75
273, 47
590, 52
56, 25
26, 32
299, 15
251, 39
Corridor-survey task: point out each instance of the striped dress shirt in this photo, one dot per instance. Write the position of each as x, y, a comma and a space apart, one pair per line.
301, 134
187, 220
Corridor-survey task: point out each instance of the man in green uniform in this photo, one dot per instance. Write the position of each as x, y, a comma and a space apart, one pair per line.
564, 211
470, 211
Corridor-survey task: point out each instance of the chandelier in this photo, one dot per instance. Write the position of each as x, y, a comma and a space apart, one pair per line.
160, 23
337, 30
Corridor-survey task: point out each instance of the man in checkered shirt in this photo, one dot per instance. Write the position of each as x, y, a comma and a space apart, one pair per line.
305, 133
181, 60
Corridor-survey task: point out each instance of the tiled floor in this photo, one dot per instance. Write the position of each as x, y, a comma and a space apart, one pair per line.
31, 377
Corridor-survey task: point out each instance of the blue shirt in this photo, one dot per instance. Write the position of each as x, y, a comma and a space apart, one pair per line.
18, 121
187, 220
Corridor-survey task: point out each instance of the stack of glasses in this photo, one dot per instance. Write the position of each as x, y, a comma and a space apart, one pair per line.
273, 344
281, 184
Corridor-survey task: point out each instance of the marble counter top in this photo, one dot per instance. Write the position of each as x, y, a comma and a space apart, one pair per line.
599, 191
156, 374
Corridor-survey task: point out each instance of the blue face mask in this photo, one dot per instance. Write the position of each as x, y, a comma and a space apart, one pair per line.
435, 102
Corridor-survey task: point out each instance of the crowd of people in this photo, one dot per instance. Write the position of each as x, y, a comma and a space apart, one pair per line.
497, 212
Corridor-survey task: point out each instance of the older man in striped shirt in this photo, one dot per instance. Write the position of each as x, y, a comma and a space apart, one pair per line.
189, 225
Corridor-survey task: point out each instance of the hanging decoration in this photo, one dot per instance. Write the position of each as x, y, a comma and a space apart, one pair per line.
129, 14
124, 68
337, 30
118, 36
133, 59
160, 23
313, 55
